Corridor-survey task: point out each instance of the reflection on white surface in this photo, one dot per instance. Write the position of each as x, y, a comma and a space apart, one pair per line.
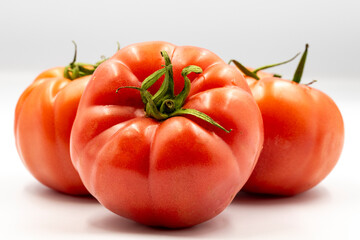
321, 213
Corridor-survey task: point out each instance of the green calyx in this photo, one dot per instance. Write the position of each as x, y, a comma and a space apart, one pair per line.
164, 103
253, 74
76, 70
300, 68
298, 73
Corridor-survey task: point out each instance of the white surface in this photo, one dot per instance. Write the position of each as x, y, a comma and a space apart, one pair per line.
36, 35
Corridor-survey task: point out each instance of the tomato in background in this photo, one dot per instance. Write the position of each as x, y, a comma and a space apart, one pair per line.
44, 116
303, 133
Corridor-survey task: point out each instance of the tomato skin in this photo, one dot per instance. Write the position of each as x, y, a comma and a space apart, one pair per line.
44, 116
303, 137
173, 173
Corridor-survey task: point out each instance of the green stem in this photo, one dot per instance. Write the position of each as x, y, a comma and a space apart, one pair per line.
150, 107
300, 69
200, 115
244, 70
181, 97
276, 64
150, 80
76, 70
167, 87
164, 104
253, 74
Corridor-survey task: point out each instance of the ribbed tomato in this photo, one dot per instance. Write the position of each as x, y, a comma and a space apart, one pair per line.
167, 151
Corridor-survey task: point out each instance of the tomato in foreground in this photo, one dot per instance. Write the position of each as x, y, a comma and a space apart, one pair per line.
166, 135
303, 134
44, 116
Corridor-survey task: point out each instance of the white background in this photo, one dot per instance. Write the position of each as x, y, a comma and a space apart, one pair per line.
36, 35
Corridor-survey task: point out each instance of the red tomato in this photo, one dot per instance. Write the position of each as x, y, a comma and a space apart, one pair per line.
43, 120
173, 172
303, 135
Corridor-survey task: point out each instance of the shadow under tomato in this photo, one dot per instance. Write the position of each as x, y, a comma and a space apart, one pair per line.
319, 193
39, 191
114, 223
